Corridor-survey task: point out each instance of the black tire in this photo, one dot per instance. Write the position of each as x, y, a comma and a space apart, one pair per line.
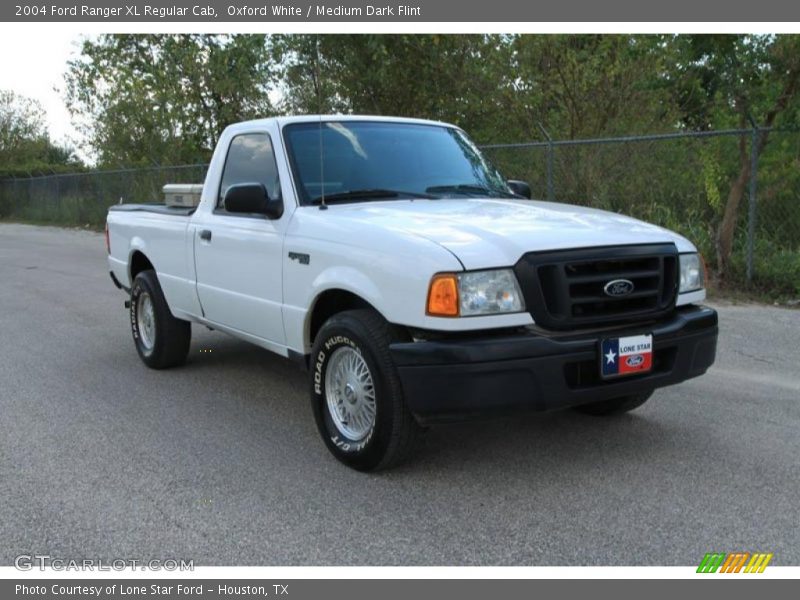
167, 343
614, 406
390, 435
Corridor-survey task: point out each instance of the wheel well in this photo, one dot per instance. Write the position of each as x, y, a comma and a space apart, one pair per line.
329, 303
139, 263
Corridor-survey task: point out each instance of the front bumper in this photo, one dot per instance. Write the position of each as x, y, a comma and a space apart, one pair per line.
463, 377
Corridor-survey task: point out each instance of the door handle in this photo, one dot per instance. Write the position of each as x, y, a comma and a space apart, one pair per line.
205, 234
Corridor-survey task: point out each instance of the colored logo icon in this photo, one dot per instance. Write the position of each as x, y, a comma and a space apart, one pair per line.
734, 562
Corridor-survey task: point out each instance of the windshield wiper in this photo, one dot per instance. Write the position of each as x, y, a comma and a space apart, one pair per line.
369, 194
470, 189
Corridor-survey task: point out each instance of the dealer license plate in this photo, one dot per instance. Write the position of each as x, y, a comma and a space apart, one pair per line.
626, 355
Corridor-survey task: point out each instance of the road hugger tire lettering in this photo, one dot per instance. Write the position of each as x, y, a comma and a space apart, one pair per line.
161, 340
356, 395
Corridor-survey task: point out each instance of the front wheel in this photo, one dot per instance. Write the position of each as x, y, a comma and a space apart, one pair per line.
614, 406
356, 394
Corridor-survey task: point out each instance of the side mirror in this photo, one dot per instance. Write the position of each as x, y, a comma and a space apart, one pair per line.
520, 188
252, 198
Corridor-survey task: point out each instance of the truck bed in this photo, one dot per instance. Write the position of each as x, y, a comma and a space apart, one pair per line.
162, 234
155, 207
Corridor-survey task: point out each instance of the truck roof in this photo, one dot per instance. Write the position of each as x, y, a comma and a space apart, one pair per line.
285, 120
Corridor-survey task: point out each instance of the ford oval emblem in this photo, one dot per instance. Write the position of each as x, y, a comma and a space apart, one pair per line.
634, 360
618, 287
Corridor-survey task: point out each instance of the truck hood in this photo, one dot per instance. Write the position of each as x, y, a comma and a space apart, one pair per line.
486, 233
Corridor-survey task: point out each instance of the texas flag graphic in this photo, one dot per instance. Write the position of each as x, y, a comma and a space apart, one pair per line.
626, 355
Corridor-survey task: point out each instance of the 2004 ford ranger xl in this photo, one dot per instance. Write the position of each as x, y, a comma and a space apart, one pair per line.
412, 280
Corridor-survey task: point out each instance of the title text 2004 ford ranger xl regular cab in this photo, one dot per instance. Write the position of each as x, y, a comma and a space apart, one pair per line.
412, 279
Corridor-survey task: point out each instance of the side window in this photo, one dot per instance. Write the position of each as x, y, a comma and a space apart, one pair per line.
250, 159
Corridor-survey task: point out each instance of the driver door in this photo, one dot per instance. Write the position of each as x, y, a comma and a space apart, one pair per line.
238, 256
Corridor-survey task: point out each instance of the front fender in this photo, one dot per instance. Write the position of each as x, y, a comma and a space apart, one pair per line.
350, 280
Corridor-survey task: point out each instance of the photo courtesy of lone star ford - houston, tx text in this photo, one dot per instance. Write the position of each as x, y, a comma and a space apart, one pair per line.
355, 299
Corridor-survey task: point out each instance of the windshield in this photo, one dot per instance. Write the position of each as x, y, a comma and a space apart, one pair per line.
374, 160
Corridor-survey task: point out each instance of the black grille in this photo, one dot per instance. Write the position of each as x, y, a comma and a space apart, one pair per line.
566, 289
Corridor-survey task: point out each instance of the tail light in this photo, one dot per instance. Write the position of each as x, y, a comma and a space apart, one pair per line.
108, 241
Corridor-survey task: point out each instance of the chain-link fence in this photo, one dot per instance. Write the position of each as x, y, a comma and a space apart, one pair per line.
680, 181
82, 199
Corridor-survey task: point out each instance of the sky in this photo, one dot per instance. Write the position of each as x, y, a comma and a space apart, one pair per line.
34, 66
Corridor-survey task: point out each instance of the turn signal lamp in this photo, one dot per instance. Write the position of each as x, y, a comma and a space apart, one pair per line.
443, 296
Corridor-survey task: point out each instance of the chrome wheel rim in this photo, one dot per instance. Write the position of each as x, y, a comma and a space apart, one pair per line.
146, 320
350, 393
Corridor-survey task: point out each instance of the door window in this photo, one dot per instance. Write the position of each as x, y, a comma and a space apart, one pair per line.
250, 159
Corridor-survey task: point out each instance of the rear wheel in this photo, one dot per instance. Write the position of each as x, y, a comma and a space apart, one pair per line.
162, 341
614, 406
356, 394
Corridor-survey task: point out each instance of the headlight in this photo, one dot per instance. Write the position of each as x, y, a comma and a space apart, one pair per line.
474, 293
692, 273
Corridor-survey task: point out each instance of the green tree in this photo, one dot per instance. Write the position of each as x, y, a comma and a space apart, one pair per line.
448, 77
25, 145
589, 85
166, 98
736, 81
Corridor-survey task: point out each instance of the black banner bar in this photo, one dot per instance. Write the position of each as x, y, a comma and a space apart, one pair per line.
462, 11
369, 589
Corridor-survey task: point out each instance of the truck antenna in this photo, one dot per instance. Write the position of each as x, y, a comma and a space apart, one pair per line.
322, 205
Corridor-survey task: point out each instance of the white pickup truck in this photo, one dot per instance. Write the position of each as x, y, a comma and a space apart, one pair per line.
412, 280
